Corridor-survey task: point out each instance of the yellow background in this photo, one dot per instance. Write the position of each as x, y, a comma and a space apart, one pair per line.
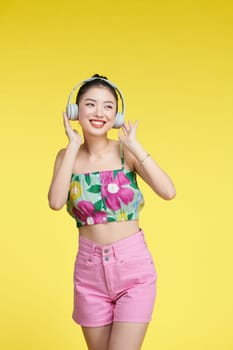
173, 61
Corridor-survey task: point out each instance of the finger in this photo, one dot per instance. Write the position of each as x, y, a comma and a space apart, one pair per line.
66, 121
120, 136
123, 129
127, 127
65, 117
135, 125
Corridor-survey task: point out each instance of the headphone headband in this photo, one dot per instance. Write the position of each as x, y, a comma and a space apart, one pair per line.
72, 109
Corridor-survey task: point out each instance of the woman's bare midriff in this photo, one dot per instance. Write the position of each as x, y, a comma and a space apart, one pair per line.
109, 233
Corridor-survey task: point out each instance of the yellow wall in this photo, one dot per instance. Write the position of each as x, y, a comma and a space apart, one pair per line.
173, 61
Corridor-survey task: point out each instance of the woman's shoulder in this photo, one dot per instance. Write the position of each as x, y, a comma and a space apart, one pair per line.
61, 153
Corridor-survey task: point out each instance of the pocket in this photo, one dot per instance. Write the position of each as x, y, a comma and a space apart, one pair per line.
137, 270
83, 260
137, 257
87, 259
140, 262
87, 269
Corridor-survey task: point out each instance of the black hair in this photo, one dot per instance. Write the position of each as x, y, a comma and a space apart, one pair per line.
102, 81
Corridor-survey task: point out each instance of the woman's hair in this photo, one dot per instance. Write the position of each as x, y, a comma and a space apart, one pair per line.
93, 83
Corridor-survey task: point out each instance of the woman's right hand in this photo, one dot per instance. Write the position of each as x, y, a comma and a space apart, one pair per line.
72, 134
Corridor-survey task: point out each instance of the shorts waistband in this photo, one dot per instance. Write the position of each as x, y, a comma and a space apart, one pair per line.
119, 246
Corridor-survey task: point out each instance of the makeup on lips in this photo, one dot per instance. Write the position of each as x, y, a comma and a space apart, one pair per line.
97, 123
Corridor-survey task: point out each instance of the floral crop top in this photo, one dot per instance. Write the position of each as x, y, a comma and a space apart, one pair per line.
104, 196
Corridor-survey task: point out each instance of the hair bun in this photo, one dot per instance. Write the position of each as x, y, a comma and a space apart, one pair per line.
99, 76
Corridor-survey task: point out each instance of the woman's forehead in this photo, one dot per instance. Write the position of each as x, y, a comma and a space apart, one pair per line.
98, 92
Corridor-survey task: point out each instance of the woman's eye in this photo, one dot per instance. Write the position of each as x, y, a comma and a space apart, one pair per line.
109, 107
89, 104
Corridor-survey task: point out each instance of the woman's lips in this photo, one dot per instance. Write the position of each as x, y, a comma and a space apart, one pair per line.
97, 123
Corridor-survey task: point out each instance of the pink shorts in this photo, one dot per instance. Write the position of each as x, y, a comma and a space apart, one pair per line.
114, 283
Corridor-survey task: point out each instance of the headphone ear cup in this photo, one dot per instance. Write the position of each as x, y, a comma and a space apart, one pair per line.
72, 111
119, 120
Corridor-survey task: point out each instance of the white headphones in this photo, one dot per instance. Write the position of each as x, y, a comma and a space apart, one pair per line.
72, 109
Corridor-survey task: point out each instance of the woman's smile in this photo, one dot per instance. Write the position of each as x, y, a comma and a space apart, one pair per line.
96, 123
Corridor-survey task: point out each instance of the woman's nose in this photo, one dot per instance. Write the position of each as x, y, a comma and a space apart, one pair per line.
99, 111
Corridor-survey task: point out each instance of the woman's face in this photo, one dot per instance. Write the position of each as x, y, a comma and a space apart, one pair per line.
97, 110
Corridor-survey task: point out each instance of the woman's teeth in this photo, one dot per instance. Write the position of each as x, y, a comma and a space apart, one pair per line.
97, 123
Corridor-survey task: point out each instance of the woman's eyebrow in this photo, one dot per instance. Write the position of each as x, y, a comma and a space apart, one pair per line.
89, 99
94, 100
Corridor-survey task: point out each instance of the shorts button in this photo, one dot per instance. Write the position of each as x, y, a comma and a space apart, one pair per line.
106, 258
106, 251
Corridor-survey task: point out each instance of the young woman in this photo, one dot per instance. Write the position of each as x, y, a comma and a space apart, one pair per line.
114, 275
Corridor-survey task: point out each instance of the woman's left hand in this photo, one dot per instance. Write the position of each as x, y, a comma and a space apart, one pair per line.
127, 135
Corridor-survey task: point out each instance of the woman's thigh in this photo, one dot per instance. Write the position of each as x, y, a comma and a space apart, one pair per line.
97, 338
128, 336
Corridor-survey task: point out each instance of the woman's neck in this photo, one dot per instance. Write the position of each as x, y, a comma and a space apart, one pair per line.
96, 146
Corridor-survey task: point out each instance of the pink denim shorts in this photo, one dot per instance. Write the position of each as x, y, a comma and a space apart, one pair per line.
114, 283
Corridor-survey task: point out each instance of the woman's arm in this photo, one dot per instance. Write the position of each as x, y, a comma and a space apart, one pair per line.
145, 166
63, 168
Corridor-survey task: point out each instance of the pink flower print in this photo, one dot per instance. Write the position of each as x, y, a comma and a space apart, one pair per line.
114, 191
85, 212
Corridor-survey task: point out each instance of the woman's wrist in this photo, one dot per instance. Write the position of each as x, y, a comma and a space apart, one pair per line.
141, 161
139, 152
73, 146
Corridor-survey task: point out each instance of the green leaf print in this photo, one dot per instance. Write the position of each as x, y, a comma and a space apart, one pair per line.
98, 205
111, 219
95, 189
133, 182
115, 172
130, 216
134, 185
131, 176
76, 178
87, 179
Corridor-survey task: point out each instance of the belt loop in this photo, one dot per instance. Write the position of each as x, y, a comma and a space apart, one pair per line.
115, 252
93, 249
